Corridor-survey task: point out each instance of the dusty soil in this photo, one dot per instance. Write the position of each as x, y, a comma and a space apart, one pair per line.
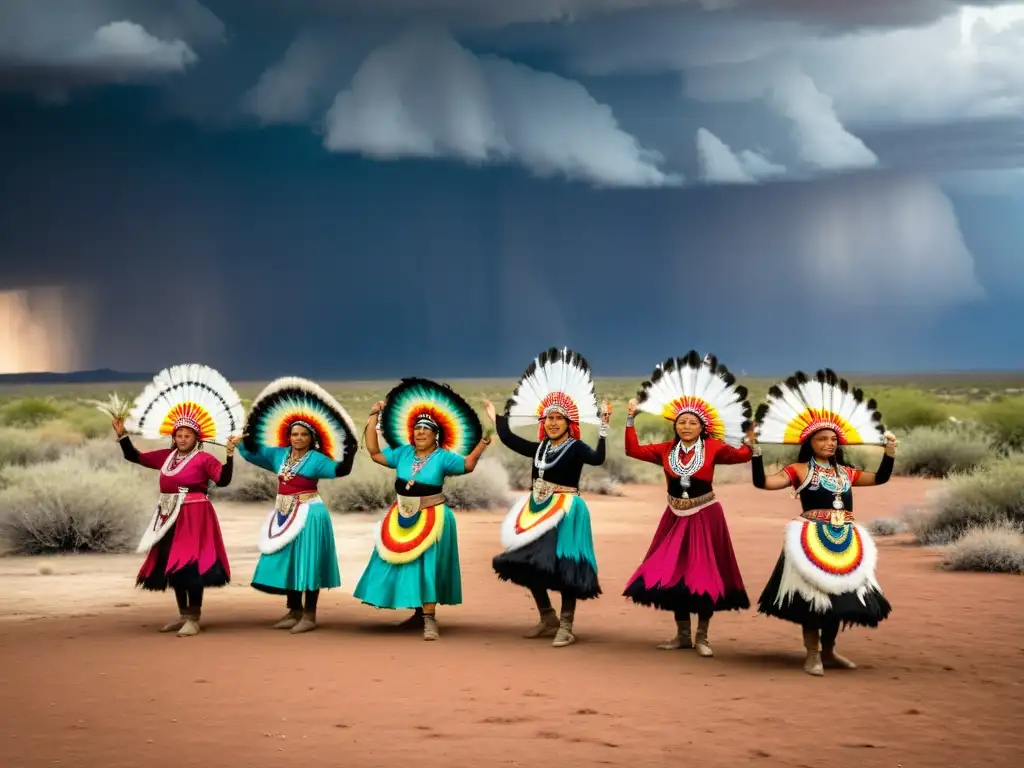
88, 681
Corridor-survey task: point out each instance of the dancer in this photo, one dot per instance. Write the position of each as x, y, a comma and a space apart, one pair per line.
432, 433
546, 534
690, 566
192, 405
825, 576
302, 434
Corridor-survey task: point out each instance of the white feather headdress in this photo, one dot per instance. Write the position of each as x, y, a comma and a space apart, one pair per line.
799, 406
702, 387
191, 395
558, 379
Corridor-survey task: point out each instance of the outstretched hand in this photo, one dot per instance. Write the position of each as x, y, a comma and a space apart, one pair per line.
492, 414
890, 444
118, 425
631, 407
606, 411
377, 407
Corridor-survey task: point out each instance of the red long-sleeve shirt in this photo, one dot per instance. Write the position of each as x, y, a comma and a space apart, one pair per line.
715, 452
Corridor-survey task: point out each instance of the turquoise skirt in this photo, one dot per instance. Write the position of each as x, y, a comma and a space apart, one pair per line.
560, 560
308, 563
433, 577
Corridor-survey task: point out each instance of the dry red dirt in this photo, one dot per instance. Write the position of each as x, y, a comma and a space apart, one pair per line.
939, 684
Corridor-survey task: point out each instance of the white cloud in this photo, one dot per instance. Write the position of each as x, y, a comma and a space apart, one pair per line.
286, 92
54, 47
424, 95
126, 44
720, 165
821, 140
962, 67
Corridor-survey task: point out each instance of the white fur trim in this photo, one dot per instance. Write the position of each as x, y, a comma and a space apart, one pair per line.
511, 540
155, 530
802, 577
272, 539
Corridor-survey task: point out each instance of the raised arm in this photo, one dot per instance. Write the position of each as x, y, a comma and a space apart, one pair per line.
370, 436
780, 480
595, 456
221, 473
726, 454
652, 452
884, 471
262, 456
512, 441
148, 459
474, 456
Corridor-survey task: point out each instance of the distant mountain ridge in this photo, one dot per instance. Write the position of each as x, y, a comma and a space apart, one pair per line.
98, 376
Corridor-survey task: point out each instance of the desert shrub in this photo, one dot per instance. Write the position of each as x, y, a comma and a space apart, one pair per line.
485, 488
1004, 418
904, 408
992, 495
887, 526
248, 483
20, 447
86, 421
994, 548
29, 411
942, 451
70, 506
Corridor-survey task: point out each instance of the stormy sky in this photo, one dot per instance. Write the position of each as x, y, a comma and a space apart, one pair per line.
375, 188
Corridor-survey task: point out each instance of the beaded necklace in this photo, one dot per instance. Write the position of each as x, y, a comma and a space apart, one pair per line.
548, 455
690, 467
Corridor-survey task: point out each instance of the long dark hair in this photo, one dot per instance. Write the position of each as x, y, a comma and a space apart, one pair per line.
807, 451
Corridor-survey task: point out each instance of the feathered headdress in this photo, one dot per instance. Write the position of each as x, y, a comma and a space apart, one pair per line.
418, 401
559, 380
291, 400
702, 387
193, 396
798, 407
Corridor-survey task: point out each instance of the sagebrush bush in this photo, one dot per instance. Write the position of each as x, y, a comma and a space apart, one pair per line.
248, 483
995, 548
20, 447
29, 411
887, 526
941, 451
1004, 418
70, 506
904, 408
992, 495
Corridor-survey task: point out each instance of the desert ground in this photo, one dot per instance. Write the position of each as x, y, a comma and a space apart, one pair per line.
90, 682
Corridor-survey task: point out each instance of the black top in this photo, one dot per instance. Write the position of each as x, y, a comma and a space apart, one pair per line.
569, 467
822, 498
418, 489
696, 488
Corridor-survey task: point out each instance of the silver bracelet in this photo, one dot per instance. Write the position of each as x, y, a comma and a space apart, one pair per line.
629, 421
603, 430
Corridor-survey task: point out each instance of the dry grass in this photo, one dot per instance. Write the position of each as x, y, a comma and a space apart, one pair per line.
70, 505
991, 496
994, 548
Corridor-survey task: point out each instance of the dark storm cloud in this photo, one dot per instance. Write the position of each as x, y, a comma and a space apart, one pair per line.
264, 260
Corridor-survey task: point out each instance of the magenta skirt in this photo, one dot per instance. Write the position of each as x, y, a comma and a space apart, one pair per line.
190, 555
690, 566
